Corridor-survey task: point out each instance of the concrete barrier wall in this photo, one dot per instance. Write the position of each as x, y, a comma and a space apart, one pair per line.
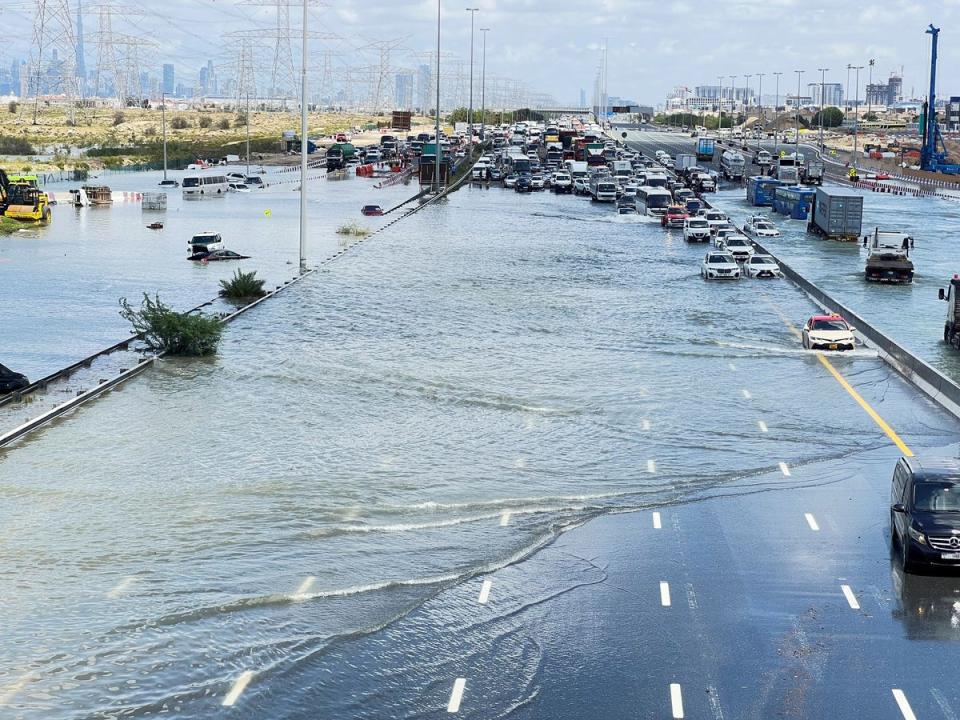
931, 381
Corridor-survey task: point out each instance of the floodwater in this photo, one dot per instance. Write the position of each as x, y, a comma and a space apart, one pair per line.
441, 401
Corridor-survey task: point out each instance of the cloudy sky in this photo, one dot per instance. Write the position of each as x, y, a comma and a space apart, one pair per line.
555, 45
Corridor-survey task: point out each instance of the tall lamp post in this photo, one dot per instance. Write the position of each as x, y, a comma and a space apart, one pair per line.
720, 104
733, 98
760, 108
846, 97
856, 114
869, 83
797, 138
823, 72
746, 97
437, 154
473, 12
303, 141
483, 87
776, 115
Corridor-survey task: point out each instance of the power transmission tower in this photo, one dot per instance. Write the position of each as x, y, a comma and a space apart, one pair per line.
118, 53
279, 41
54, 53
378, 76
243, 71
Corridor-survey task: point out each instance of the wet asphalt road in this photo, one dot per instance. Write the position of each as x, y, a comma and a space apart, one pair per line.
446, 504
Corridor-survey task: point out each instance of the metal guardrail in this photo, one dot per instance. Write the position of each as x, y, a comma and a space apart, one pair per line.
944, 391
94, 392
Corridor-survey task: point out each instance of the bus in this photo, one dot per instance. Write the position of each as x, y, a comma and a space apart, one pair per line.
653, 200
205, 185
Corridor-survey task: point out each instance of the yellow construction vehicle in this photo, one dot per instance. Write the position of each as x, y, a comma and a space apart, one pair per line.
853, 175
25, 201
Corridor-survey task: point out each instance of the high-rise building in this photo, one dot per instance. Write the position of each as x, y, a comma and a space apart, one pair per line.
403, 95
894, 90
583, 98
832, 93
424, 85
168, 82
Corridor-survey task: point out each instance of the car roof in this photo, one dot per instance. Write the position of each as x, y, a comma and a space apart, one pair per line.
834, 316
934, 466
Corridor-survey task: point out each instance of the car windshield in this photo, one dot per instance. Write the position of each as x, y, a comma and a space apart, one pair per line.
760, 260
827, 324
763, 226
939, 496
721, 259
697, 223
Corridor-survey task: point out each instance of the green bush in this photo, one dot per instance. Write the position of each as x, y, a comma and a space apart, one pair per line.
205, 121
119, 118
175, 333
224, 124
12, 107
242, 286
353, 229
15, 146
179, 123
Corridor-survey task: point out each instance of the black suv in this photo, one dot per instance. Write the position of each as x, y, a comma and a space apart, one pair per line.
925, 511
10, 380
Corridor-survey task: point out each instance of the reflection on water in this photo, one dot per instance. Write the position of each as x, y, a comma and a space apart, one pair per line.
927, 604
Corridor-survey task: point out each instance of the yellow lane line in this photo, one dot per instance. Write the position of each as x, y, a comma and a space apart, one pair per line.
874, 415
865, 405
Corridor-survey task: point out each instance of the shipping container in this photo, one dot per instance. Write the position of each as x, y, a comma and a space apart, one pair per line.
761, 189
794, 202
837, 215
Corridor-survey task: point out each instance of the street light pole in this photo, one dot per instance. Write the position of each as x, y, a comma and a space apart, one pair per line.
720, 104
437, 154
473, 12
483, 87
776, 115
869, 83
856, 114
733, 98
823, 72
797, 138
846, 97
760, 107
303, 141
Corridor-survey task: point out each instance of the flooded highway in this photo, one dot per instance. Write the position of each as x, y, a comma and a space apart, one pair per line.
359, 507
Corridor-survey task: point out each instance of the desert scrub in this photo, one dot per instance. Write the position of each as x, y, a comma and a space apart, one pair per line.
242, 286
172, 332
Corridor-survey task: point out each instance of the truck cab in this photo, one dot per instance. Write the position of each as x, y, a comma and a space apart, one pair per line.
951, 325
888, 257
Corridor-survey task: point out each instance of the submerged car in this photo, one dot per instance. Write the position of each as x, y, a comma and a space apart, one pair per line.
925, 511
674, 217
719, 265
738, 246
828, 332
761, 266
217, 255
696, 229
371, 210
759, 226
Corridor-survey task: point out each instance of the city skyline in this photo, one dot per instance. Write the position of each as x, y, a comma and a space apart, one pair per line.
559, 62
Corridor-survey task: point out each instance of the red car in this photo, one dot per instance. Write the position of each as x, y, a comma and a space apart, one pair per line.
341, 137
371, 210
674, 216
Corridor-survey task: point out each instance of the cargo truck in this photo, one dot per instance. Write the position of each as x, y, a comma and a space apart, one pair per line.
888, 257
836, 215
813, 172
951, 326
683, 162
732, 164
339, 155
705, 148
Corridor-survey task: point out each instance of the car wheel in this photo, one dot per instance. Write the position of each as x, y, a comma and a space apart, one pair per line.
907, 561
